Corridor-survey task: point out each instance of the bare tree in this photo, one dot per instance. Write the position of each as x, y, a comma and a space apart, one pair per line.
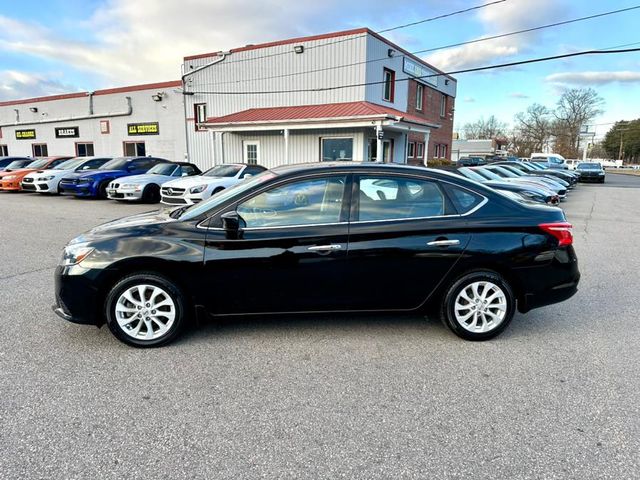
484, 129
533, 128
575, 108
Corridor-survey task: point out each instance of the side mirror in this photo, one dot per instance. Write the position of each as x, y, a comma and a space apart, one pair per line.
247, 175
231, 224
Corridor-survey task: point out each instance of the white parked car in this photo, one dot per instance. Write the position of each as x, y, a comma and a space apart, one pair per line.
48, 181
146, 186
189, 191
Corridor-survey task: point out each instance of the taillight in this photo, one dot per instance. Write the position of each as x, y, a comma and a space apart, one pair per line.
560, 230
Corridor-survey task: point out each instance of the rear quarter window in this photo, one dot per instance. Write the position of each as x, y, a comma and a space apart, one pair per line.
463, 200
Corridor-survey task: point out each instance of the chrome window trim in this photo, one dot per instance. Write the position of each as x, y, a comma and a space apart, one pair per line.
484, 201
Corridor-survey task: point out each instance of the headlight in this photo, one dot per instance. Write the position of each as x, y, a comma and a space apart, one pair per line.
198, 189
74, 254
46, 179
87, 180
9, 177
601, 173
132, 186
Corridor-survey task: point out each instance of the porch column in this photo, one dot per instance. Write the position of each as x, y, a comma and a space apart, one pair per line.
406, 148
286, 146
426, 146
379, 145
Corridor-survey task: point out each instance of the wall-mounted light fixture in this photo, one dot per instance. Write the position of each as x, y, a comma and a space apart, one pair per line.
33, 109
157, 97
298, 49
391, 52
446, 81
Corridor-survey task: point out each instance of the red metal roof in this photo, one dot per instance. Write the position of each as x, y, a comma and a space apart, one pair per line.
106, 91
310, 112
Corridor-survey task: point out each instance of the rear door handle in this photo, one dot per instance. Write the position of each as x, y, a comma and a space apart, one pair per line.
444, 243
325, 248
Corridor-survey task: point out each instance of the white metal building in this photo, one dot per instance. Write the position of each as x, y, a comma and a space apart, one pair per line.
367, 95
137, 120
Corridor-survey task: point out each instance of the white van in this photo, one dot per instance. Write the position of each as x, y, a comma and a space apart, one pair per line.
552, 160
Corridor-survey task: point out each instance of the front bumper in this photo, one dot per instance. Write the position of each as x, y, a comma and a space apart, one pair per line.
78, 190
123, 194
10, 185
77, 297
43, 187
180, 201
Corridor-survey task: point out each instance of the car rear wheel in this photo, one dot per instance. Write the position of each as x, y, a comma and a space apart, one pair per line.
478, 306
145, 310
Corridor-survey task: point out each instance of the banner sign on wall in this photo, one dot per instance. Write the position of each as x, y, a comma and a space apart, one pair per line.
67, 132
151, 128
416, 70
29, 134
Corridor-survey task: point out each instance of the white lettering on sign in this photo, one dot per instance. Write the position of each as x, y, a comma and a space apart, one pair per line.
416, 70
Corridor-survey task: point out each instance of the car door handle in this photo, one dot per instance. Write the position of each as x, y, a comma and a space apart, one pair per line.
444, 243
325, 248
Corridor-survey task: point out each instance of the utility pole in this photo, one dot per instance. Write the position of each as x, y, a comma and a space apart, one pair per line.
621, 143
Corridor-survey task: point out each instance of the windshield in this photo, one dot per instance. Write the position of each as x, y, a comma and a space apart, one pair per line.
467, 172
588, 166
115, 164
223, 171
489, 175
18, 164
162, 169
70, 164
220, 198
39, 163
514, 170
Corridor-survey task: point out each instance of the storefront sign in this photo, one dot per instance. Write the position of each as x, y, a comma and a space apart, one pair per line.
67, 132
26, 134
416, 70
152, 128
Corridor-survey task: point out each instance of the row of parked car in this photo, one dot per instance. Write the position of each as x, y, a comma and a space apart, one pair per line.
143, 179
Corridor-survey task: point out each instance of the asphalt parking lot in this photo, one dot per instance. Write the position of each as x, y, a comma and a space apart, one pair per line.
556, 396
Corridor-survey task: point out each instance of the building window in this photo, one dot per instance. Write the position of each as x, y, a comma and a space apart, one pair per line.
443, 106
419, 96
337, 149
134, 149
412, 150
200, 115
84, 149
40, 150
389, 85
4, 151
443, 151
251, 153
436, 150
419, 150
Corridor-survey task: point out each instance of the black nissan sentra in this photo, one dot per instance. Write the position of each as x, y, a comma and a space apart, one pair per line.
325, 237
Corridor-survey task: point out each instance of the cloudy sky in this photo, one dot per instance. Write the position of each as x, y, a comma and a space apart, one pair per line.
76, 45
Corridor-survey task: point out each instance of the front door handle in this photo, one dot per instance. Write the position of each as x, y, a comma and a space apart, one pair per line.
325, 248
444, 243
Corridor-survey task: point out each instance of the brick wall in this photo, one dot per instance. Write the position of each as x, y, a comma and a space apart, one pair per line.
431, 112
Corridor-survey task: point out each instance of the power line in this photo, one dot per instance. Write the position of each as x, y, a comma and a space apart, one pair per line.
455, 72
527, 30
349, 39
335, 67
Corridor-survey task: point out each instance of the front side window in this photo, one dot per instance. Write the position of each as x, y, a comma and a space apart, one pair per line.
419, 96
306, 202
389, 77
398, 198
337, 149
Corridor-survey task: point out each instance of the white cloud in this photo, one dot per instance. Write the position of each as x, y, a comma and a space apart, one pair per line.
15, 85
518, 95
469, 100
593, 78
502, 18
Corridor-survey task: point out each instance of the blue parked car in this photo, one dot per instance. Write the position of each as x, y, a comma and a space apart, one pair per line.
14, 163
94, 183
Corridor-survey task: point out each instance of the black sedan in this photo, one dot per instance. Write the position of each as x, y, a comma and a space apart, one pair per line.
591, 172
326, 237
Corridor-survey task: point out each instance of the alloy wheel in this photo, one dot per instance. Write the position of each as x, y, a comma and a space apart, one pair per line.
145, 312
480, 307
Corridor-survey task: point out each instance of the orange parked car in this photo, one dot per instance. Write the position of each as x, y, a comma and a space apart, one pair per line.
10, 181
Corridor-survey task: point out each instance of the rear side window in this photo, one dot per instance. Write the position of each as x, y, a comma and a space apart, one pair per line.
463, 200
398, 198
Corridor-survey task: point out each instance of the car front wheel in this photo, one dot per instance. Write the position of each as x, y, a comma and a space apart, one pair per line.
478, 306
145, 310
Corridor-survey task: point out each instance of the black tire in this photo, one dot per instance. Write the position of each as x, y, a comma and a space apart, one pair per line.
151, 193
154, 280
447, 308
102, 190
